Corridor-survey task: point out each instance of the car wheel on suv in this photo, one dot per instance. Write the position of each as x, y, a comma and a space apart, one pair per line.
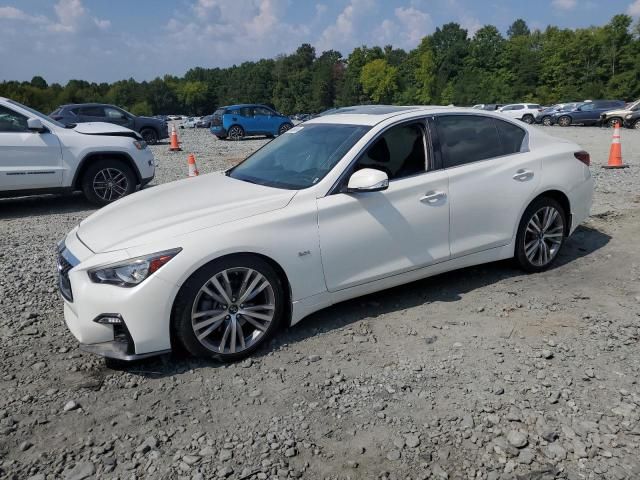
528, 119
106, 181
284, 127
149, 135
612, 122
564, 121
636, 124
236, 132
546, 121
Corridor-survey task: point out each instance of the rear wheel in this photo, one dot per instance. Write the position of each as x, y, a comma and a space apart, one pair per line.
284, 127
564, 121
106, 181
540, 235
528, 119
236, 133
228, 308
546, 121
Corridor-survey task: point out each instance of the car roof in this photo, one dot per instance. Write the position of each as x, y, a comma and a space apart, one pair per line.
92, 104
240, 105
373, 114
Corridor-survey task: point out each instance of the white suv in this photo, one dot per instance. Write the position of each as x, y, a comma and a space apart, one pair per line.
521, 111
39, 155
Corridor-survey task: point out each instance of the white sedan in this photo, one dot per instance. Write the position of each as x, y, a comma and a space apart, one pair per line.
349, 203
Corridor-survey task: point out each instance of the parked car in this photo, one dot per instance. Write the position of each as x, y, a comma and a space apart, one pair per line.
237, 121
587, 113
190, 122
611, 117
40, 155
151, 129
521, 111
632, 120
488, 106
343, 205
204, 122
545, 115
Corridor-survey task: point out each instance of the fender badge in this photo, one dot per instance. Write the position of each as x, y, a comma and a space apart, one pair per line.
302, 254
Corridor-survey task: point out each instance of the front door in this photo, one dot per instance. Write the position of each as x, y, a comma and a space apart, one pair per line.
28, 159
369, 236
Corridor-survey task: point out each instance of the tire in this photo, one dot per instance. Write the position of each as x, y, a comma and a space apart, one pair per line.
612, 121
149, 135
565, 121
546, 121
528, 119
236, 132
99, 175
200, 294
534, 253
284, 127
636, 125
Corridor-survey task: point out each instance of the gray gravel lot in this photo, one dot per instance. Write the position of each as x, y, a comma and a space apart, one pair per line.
486, 373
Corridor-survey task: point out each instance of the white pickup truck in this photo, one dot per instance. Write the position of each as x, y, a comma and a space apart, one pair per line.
39, 155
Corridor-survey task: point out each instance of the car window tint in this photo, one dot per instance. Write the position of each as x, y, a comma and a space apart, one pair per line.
587, 108
511, 137
517, 107
113, 113
399, 152
75, 111
11, 121
533, 106
246, 111
262, 111
467, 138
93, 111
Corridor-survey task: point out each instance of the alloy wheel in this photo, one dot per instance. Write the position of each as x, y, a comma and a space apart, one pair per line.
233, 310
637, 125
236, 133
284, 128
546, 121
564, 121
110, 184
543, 236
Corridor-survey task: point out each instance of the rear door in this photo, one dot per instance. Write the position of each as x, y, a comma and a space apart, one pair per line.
92, 113
263, 120
491, 177
28, 159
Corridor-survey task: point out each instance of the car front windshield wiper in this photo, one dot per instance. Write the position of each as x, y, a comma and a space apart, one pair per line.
71, 125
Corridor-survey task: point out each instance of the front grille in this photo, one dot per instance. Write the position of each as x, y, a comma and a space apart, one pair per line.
63, 273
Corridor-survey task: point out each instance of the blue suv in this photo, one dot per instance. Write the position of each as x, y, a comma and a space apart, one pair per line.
238, 121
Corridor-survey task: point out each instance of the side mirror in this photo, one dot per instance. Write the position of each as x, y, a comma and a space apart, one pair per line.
368, 180
35, 124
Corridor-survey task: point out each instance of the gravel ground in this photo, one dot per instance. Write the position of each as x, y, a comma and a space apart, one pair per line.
486, 373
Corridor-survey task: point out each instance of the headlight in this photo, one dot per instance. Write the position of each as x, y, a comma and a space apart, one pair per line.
140, 144
132, 272
629, 116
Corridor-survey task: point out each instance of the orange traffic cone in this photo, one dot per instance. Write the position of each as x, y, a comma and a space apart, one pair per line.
193, 169
175, 146
615, 154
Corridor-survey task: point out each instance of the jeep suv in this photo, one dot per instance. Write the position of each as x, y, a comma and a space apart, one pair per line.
237, 121
151, 129
611, 117
39, 155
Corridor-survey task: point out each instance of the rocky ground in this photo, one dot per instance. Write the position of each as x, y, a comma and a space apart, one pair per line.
486, 373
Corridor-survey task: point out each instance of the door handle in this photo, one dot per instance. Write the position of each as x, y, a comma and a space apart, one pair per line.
433, 197
523, 175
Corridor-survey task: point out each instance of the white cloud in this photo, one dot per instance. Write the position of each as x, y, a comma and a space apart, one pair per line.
12, 13
406, 29
564, 5
634, 9
342, 33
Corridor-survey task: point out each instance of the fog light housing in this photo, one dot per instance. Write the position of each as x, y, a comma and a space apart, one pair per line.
109, 319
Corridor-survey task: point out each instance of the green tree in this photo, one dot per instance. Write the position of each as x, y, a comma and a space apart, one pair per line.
379, 80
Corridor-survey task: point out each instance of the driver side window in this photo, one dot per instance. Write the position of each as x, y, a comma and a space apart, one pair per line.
11, 121
399, 152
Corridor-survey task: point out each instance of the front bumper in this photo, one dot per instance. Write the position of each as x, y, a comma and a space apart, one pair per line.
145, 310
218, 130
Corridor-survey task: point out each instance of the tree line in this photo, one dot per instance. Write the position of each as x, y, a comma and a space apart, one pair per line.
448, 66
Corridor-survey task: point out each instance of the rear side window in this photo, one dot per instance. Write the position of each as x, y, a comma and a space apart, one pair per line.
467, 138
511, 137
533, 106
92, 111
246, 111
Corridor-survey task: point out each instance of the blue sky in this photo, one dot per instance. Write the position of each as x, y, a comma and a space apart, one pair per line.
107, 40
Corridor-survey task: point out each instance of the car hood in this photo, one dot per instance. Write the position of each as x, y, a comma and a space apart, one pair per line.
103, 128
617, 111
177, 208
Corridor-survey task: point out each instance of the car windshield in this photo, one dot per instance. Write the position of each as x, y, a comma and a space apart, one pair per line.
41, 116
299, 158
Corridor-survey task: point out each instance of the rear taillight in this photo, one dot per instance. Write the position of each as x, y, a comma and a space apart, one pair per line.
584, 157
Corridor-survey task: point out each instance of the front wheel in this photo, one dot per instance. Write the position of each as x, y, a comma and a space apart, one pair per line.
612, 122
228, 308
546, 121
106, 181
528, 119
284, 127
636, 125
150, 136
540, 235
235, 133
564, 121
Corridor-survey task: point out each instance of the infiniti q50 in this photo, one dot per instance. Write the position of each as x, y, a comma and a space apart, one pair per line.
348, 203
